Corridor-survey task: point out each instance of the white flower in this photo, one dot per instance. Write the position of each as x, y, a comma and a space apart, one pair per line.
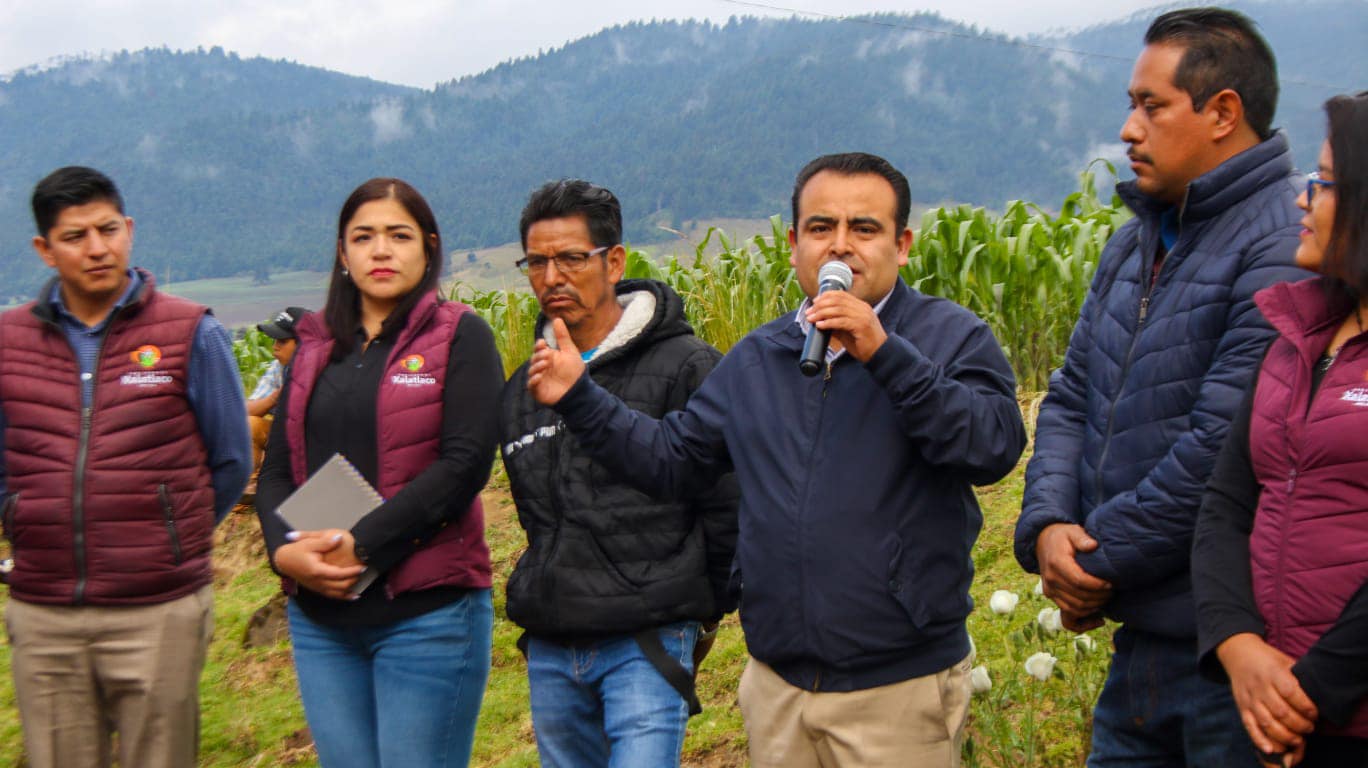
979, 679
1040, 665
973, 650
1050, 620
1039, 588
1003, 602
1084, 643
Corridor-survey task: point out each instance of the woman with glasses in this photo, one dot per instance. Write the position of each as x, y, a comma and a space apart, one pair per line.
405, 386
1281, 553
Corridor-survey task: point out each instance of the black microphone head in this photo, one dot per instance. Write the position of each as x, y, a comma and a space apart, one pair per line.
834, 276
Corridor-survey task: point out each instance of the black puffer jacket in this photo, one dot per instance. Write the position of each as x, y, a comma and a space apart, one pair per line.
603, 558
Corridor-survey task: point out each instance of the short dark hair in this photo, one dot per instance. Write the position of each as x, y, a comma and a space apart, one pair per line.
575, 197
67, 187
853, 164
1221, 49
343, 310
1347, 257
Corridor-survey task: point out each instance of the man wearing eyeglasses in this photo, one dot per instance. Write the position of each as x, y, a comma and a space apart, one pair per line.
1167, 341
616, 590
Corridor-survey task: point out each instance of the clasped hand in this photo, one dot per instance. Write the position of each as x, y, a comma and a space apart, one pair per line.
1275, 710
321, 561
1079, 595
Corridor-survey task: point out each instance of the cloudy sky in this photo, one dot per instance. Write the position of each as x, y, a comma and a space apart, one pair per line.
423, 42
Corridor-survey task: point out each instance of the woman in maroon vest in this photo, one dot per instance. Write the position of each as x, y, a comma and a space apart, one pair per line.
1280, 560
405, 386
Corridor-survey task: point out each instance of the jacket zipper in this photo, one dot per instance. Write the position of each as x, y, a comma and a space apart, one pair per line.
78, 501
546, 585
169, 514
802, 535
1125, 369
82, 454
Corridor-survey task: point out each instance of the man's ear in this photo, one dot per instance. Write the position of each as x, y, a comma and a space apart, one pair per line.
40, 247
1227, 113
793, 247
616, 261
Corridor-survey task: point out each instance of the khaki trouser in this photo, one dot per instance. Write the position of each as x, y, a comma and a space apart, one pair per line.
82, 672
917, 722
261, 429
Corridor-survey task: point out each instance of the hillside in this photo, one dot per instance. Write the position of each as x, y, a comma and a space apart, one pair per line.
238, 165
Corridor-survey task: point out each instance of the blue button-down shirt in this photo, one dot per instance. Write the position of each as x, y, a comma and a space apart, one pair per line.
213, 388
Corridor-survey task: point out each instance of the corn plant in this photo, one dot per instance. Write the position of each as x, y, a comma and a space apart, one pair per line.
1025, 272
511, 314
730, 293
253, 353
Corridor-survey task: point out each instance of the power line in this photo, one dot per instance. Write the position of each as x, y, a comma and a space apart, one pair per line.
997, 40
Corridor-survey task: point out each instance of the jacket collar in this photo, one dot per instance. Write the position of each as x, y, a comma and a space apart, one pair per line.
1306, 313
1217, 190
314, 326
651, 311
141, 288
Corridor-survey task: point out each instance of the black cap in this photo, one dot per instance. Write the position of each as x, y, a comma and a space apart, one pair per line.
282, 326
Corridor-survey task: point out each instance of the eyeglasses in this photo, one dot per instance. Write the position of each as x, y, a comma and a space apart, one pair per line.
1313, 180
573, 261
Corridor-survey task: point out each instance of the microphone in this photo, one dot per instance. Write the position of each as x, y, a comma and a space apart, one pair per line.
833, 276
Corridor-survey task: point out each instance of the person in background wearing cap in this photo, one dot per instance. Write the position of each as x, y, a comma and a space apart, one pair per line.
261, 404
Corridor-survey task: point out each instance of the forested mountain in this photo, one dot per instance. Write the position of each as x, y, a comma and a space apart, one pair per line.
234, 165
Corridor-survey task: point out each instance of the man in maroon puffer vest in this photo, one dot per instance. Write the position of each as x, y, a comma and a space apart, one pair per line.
124, 436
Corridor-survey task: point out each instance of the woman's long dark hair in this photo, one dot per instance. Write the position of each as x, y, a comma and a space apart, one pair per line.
343, 310
1347, 256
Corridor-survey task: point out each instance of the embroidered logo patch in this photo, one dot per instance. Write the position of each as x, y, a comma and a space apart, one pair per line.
410, 373
146, 355
1357, 396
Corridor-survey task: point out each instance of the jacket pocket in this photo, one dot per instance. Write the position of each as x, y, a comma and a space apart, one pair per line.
7, 516
589, 545
169, 516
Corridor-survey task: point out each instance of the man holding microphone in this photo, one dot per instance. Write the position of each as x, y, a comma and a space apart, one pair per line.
857, 511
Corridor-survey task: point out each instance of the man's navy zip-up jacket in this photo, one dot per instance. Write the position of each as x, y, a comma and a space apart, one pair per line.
857, 509
1128, 434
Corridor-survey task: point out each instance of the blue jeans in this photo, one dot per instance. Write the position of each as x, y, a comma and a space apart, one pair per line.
403, 694
1156, 711
604, 704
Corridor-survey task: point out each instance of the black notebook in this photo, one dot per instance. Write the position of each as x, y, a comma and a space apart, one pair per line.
336, 496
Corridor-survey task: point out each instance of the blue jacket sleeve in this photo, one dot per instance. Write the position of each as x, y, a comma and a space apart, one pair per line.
678, 456
214, 390
1052, 486
1145, 535
962, 416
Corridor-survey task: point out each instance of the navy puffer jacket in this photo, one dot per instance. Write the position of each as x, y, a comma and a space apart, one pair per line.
1130, 429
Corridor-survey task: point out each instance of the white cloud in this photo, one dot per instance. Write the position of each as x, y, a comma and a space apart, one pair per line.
387, 119
147, 148
301, 135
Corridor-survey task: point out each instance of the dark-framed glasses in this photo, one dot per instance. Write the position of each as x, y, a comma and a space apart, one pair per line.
570, 261
1313, 180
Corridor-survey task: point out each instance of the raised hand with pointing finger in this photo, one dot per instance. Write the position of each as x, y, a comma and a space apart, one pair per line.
554, 370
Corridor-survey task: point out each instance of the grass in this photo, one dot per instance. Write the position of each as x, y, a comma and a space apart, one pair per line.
252, 715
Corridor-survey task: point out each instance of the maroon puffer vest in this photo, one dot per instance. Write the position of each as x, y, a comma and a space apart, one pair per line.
1309, 547
115, 507
408, 423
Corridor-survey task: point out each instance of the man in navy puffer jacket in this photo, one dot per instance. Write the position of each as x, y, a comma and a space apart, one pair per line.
1166, 343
